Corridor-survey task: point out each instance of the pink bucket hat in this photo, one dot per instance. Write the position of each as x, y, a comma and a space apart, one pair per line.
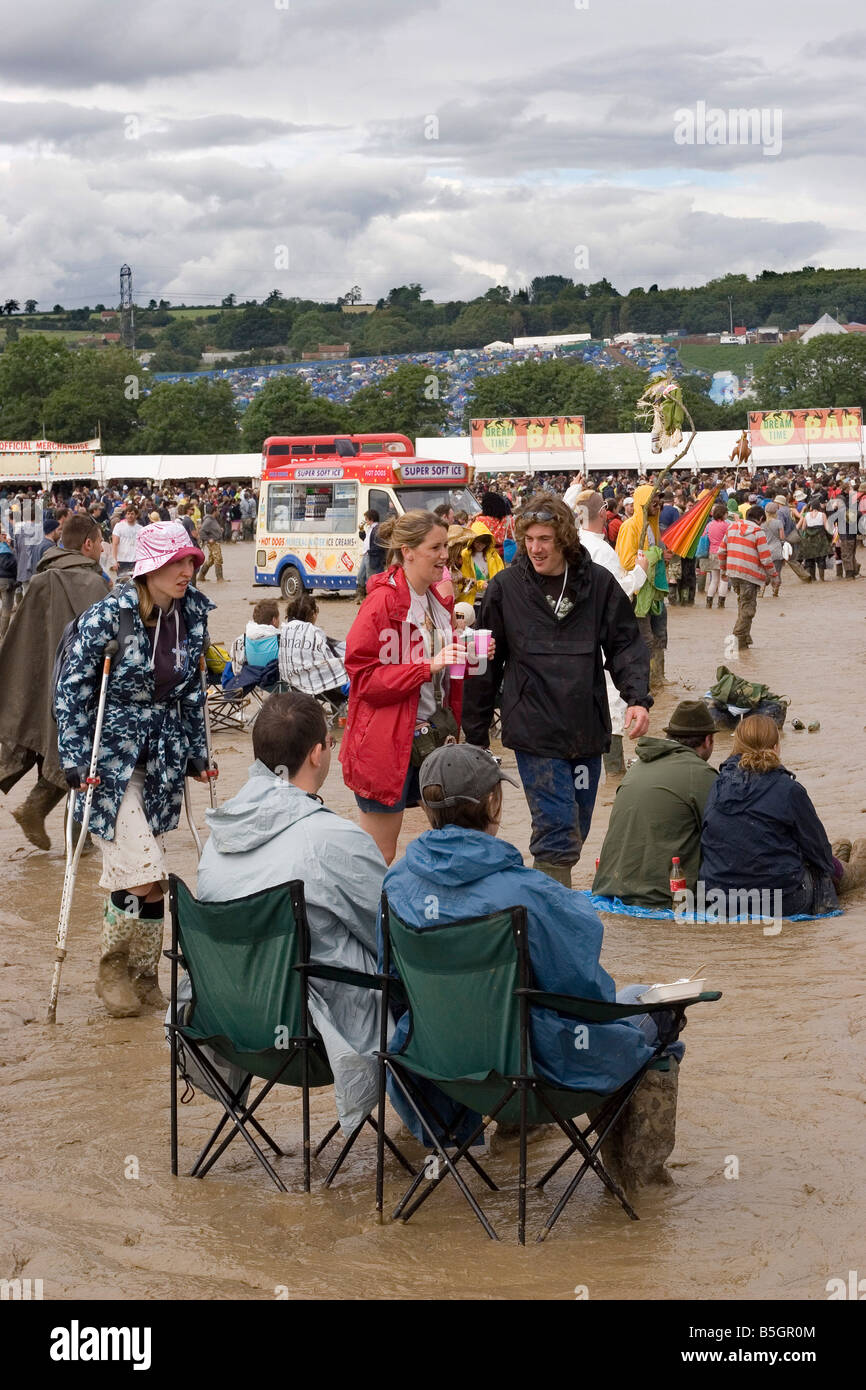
159, 544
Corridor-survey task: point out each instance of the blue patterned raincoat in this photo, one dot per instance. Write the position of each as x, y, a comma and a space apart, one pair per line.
171, 730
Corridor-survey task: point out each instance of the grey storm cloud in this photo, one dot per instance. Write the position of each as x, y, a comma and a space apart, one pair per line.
625, 107
433, 140
112, 41
93, 130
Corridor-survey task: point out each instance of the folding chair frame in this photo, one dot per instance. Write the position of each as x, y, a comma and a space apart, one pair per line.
603, 1122
243, 1114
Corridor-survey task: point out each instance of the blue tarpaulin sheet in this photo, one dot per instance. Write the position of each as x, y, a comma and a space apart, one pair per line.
667, 914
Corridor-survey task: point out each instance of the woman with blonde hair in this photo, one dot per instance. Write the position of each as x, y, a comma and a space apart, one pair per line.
402, 702
761, 831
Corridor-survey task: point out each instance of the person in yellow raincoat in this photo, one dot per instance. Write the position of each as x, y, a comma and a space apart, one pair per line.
480, 561
653, 623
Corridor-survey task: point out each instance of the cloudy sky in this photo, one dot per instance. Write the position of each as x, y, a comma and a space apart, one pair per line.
240, 145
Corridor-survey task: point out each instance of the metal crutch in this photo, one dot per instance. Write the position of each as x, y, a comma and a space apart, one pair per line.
211, 769
72, 857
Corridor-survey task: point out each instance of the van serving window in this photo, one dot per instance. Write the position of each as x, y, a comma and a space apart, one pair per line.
314, 508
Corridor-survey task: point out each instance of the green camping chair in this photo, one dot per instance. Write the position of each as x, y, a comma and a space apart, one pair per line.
249, 963
469, 990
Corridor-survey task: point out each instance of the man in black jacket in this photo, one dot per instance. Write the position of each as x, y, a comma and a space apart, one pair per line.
557, 620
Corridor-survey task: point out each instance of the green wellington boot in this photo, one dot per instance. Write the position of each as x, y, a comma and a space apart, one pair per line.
560, 872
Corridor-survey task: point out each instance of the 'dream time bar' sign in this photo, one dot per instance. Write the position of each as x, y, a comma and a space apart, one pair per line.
515, 434
836, 425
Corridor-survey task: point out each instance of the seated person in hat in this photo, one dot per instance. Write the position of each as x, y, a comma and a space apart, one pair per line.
459, 868
657, 812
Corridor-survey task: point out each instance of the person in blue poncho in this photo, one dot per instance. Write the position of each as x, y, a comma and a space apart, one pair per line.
470, 873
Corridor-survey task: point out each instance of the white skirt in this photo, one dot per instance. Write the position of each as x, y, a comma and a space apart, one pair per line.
135, 856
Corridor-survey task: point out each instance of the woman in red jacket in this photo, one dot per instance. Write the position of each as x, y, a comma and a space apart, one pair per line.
397, 654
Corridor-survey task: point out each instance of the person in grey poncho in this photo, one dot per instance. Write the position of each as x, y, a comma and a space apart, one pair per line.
277, 829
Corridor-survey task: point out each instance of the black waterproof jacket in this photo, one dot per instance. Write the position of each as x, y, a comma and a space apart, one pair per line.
554, 701
760, 830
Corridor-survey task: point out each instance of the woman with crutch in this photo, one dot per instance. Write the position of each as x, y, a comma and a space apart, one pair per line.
153, 736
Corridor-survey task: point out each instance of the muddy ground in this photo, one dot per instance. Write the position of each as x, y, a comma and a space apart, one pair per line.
772, 1086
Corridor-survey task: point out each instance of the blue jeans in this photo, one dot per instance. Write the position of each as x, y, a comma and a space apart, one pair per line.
561, 794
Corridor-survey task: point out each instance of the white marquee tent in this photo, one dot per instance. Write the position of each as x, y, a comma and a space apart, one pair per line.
605, 453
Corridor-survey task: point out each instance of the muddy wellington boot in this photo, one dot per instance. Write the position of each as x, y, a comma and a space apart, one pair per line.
113, 987
854, 872
614, 761
560, 872
31, 815
645, 1134
657, 670
113, 984
144, 954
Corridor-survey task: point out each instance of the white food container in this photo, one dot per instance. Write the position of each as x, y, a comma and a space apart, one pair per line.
672, 993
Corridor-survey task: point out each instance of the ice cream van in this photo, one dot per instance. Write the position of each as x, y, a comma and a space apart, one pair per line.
314, 493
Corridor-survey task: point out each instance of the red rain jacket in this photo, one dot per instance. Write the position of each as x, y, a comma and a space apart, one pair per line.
385, 684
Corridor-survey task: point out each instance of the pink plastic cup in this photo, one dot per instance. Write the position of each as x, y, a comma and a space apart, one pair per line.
457, 671
482, 641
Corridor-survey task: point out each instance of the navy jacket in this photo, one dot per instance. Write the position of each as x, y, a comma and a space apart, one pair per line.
760, 830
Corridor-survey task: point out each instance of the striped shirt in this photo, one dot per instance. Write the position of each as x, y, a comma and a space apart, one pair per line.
310, 661
745, 554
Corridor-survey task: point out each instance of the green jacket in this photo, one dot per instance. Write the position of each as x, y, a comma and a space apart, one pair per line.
656, 814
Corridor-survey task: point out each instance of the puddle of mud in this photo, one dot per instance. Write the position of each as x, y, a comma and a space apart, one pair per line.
773, 1075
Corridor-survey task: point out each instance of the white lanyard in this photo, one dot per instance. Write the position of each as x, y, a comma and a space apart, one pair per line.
562, 592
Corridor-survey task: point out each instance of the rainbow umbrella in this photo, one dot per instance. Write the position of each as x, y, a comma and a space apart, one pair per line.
682, 538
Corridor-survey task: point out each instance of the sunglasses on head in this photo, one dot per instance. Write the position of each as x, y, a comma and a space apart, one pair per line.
541, 515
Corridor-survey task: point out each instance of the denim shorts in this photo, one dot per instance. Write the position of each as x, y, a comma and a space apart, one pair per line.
409, 796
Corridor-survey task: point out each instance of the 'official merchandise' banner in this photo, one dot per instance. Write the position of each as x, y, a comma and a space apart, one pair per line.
47, 446
527, 434
836, 425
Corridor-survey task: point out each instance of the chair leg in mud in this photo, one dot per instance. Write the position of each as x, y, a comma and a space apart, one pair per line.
243, 1015
469, 991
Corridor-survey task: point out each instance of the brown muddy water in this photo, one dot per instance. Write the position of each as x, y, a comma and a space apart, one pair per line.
772, 1086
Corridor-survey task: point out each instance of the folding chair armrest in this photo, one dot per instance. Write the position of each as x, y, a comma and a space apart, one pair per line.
316, 970
599, 1011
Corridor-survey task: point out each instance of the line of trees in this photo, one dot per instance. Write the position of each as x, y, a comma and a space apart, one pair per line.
406, 321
